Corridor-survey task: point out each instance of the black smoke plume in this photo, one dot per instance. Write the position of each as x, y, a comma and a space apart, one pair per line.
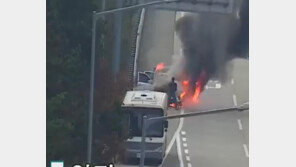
210, 40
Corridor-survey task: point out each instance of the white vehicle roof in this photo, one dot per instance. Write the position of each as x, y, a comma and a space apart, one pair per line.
146, 99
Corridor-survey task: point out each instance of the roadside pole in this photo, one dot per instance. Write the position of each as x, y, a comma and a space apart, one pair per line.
117, 45
144, 123
91, 90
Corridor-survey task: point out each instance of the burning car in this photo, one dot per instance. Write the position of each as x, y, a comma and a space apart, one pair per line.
144, 82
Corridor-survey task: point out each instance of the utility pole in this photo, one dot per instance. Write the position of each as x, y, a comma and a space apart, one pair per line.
103, 5
103, 35
117, 44
91, 90
142, 158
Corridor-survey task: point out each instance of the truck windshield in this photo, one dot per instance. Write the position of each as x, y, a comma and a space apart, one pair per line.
153, 128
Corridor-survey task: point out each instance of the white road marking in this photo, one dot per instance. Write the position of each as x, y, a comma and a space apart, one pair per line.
184, 144
183, 132
234, 100
184, 139
246, 150
180, 157
207, 87
189, 165
218, 85
187, 158
232, 81
240, 126
175, 136
186, 151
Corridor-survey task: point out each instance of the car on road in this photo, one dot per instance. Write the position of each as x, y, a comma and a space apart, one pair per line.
150, 74
144, 82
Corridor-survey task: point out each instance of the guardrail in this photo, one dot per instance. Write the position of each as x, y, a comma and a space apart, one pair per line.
139, 36
133, 69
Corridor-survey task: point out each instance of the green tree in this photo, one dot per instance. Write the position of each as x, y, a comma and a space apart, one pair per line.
68, 46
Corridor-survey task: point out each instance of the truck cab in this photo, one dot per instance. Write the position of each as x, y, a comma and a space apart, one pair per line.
136, 104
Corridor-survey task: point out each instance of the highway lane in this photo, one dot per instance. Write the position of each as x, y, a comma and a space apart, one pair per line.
157, 39
212, 140
218, 139
240, 76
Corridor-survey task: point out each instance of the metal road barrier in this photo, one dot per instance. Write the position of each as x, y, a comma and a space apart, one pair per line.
133, 65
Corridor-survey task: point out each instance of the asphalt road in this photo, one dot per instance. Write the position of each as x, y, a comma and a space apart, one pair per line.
157, 39
218, 140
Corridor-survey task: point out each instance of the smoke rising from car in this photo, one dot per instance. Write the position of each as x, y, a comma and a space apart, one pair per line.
210, 41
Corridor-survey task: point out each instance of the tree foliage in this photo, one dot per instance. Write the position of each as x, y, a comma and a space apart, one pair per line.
68, 47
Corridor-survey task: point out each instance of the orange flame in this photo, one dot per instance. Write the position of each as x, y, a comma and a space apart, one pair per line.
159, 67
196, 93
191, 97
172, 105
185, 89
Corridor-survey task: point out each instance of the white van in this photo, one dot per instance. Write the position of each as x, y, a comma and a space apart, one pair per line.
152, 104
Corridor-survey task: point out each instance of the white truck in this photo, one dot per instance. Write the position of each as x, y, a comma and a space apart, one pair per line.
136, 104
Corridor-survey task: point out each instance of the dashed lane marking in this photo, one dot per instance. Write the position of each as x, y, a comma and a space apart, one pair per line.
189, 165
184, 139
187, 158
183, 132
186, 151
184, 144
246, 150
234, 100
232, 81
240, 126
